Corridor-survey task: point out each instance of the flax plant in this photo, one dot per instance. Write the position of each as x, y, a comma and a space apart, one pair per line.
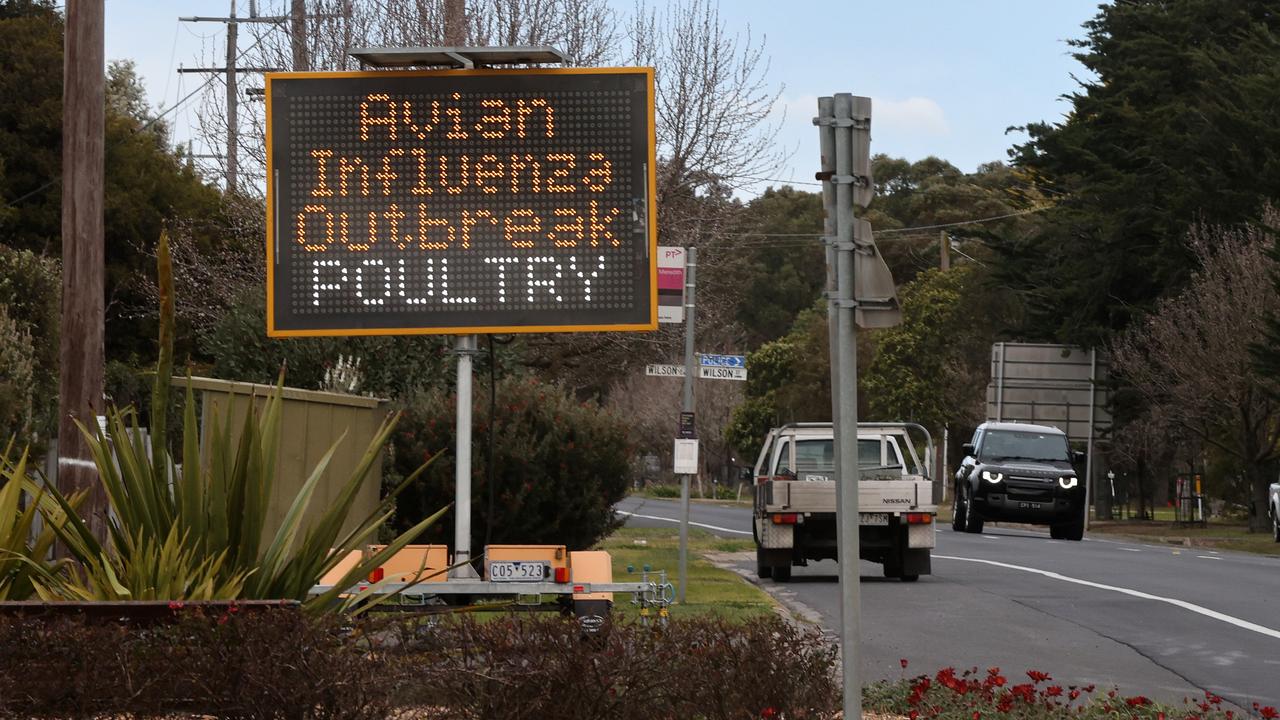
24, 558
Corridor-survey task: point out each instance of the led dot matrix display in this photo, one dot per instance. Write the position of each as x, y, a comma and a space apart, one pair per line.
463, 201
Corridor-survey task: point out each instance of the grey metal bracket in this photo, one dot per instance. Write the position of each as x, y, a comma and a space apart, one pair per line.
855, 180
838, 244
857, 123
844, 303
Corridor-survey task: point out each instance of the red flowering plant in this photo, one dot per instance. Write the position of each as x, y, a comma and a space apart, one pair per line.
974, 694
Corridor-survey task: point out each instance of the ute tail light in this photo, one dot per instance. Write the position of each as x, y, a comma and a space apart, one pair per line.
562, 575
785, 518
377, 574
919, 518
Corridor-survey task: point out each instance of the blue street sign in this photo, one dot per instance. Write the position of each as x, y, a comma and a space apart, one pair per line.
730, 361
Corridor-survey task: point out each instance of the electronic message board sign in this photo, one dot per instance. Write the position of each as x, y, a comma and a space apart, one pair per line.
470, 201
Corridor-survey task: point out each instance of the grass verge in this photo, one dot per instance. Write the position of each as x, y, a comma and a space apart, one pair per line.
711, 591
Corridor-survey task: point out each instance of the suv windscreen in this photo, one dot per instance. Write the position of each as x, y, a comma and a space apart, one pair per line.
1014, 445
818, 456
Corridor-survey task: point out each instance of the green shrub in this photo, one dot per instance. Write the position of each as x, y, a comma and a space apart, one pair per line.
559, 465
30, 287
664, 491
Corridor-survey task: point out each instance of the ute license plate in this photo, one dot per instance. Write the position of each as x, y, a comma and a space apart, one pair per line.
873, 518
516, 571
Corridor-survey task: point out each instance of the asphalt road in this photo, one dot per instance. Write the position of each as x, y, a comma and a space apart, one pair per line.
1166, 622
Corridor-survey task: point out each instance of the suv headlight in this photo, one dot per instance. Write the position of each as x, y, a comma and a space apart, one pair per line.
994, 477
1067, 482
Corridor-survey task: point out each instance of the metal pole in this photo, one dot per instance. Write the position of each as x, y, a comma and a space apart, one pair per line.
1088, 461
81, 344
465, 349
827, 146
847, 460
690, 284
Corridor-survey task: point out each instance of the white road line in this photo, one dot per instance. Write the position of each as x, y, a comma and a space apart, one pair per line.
1129, 549
1198, 609
676, 520
1209, 557
991, 537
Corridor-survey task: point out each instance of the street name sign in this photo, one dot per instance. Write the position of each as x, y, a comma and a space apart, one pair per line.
481, 201
728, 361
704, 372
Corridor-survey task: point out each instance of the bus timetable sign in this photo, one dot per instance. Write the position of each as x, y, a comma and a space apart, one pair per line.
460, 202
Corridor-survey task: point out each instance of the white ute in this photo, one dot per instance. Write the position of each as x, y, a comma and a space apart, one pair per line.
795, 499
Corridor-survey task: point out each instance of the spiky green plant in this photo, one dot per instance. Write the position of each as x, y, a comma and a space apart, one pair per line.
195, 532
24, 558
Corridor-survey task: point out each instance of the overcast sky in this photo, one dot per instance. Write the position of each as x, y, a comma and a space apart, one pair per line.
947, 77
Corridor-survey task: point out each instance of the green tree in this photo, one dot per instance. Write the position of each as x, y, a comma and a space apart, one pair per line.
1175, 123
780, 267
146, 184
932, 369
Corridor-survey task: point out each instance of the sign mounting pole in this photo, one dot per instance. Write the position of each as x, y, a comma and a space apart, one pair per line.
691, 273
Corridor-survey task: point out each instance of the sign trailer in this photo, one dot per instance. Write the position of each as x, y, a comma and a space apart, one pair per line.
473, 201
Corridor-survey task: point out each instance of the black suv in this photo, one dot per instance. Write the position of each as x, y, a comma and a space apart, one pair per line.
1020, 473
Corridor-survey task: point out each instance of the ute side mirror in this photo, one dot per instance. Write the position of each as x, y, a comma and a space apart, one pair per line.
967, 449
1077, 457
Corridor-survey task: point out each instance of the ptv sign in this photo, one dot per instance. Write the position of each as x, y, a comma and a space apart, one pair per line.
486, 201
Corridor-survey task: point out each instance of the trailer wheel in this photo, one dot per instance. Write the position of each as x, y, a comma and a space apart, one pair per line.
910, 578
781, 573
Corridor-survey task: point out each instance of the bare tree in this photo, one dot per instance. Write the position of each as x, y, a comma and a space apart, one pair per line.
651, 406
1190, 358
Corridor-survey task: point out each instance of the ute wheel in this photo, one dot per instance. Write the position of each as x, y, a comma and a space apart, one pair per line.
957, 511
910, 578
762, 570
781, 573
972, 521
1056, 532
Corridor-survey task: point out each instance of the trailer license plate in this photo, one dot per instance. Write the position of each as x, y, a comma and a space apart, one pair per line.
516, 571
873, 518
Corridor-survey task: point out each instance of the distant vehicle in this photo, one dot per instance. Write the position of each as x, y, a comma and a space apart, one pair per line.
795, 499
1273, 509
1020, 472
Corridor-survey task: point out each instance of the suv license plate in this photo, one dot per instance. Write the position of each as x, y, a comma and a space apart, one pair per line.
873, 518
516, 571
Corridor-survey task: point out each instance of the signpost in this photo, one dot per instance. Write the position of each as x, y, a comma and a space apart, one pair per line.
472, 201
671, 284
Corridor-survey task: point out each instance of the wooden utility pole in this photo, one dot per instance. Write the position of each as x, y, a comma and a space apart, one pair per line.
298, 35
81, 340
944, 242
455, 23
233, 100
